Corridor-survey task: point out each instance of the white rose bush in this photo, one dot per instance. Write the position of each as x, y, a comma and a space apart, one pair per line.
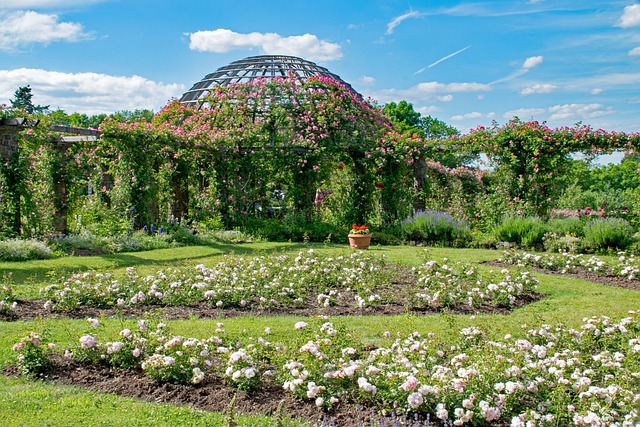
284, 281
625, 266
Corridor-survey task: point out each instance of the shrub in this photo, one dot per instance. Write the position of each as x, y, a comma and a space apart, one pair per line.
23, 250
433, 226
525, 232
231, 236
32, 354
292, 227
571, 225
608, 233
562, 243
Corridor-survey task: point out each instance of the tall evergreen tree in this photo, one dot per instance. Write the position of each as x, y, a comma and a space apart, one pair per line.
22, 100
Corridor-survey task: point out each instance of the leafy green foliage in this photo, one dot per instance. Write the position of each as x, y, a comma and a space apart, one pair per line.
605, 234
526, 232
32, 355
22, 100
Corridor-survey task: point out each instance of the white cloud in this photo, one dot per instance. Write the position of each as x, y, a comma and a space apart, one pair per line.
565, 113
223, 40
398, 20
89, 93
539, 88
24, 28
596, 91
524, 113
528, 64
630, 16
578, 111
427, 110
367, 81
436, 87
427, 92
472, 115
635, 51
532, 62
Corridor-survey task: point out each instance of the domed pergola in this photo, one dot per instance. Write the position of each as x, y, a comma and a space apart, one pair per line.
257, 67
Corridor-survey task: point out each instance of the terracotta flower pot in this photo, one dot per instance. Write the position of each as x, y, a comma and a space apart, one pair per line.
359, 241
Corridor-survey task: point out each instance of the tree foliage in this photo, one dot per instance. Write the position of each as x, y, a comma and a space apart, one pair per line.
22, 100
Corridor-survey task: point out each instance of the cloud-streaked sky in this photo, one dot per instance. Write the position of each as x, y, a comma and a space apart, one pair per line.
466, 63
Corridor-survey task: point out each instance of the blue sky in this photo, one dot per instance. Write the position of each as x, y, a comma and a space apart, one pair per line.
466, 63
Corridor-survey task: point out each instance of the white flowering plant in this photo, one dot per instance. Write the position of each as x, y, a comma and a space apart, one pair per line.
626, 265
243, 282
444, 285
8, 301
241, 371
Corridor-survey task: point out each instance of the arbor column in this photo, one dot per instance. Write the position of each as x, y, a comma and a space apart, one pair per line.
60, 178
10, 171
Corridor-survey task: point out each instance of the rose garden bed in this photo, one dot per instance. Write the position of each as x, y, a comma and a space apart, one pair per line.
325, 374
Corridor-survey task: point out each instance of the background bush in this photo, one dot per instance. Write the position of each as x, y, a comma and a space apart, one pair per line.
431, 226
23, 250
525, 232
605, 234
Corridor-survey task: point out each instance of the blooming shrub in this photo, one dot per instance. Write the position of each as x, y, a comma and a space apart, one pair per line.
32, 354
8, 301
289, 281
626, 267
432, 226
441, 285
264, 281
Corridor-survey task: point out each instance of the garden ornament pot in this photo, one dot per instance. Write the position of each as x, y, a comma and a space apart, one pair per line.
359, 241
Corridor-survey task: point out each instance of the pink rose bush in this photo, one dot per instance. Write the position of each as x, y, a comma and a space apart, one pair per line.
546, 376
33, 357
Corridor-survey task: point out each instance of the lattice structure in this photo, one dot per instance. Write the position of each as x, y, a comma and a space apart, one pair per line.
264, 66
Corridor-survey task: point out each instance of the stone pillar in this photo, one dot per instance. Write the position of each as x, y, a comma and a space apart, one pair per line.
59, 174
9, 157
8, 141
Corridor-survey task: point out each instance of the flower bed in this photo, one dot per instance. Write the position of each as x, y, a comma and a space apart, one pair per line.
282, 281
626, 267
552, 375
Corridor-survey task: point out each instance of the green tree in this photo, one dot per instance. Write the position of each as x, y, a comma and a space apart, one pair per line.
404, 117
128, 116
59, 117
22, 100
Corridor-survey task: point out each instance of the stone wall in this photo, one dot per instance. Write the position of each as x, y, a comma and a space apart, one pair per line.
8, 141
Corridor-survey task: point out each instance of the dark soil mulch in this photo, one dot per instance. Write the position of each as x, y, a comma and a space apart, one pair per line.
211, 395
214, 395
591, 276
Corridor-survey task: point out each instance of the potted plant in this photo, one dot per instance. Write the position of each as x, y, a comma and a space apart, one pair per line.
359, 236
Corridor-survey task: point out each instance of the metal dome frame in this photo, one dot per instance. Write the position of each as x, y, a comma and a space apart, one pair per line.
256, 67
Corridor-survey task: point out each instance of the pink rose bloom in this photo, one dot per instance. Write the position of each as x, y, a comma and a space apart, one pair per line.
410, 383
